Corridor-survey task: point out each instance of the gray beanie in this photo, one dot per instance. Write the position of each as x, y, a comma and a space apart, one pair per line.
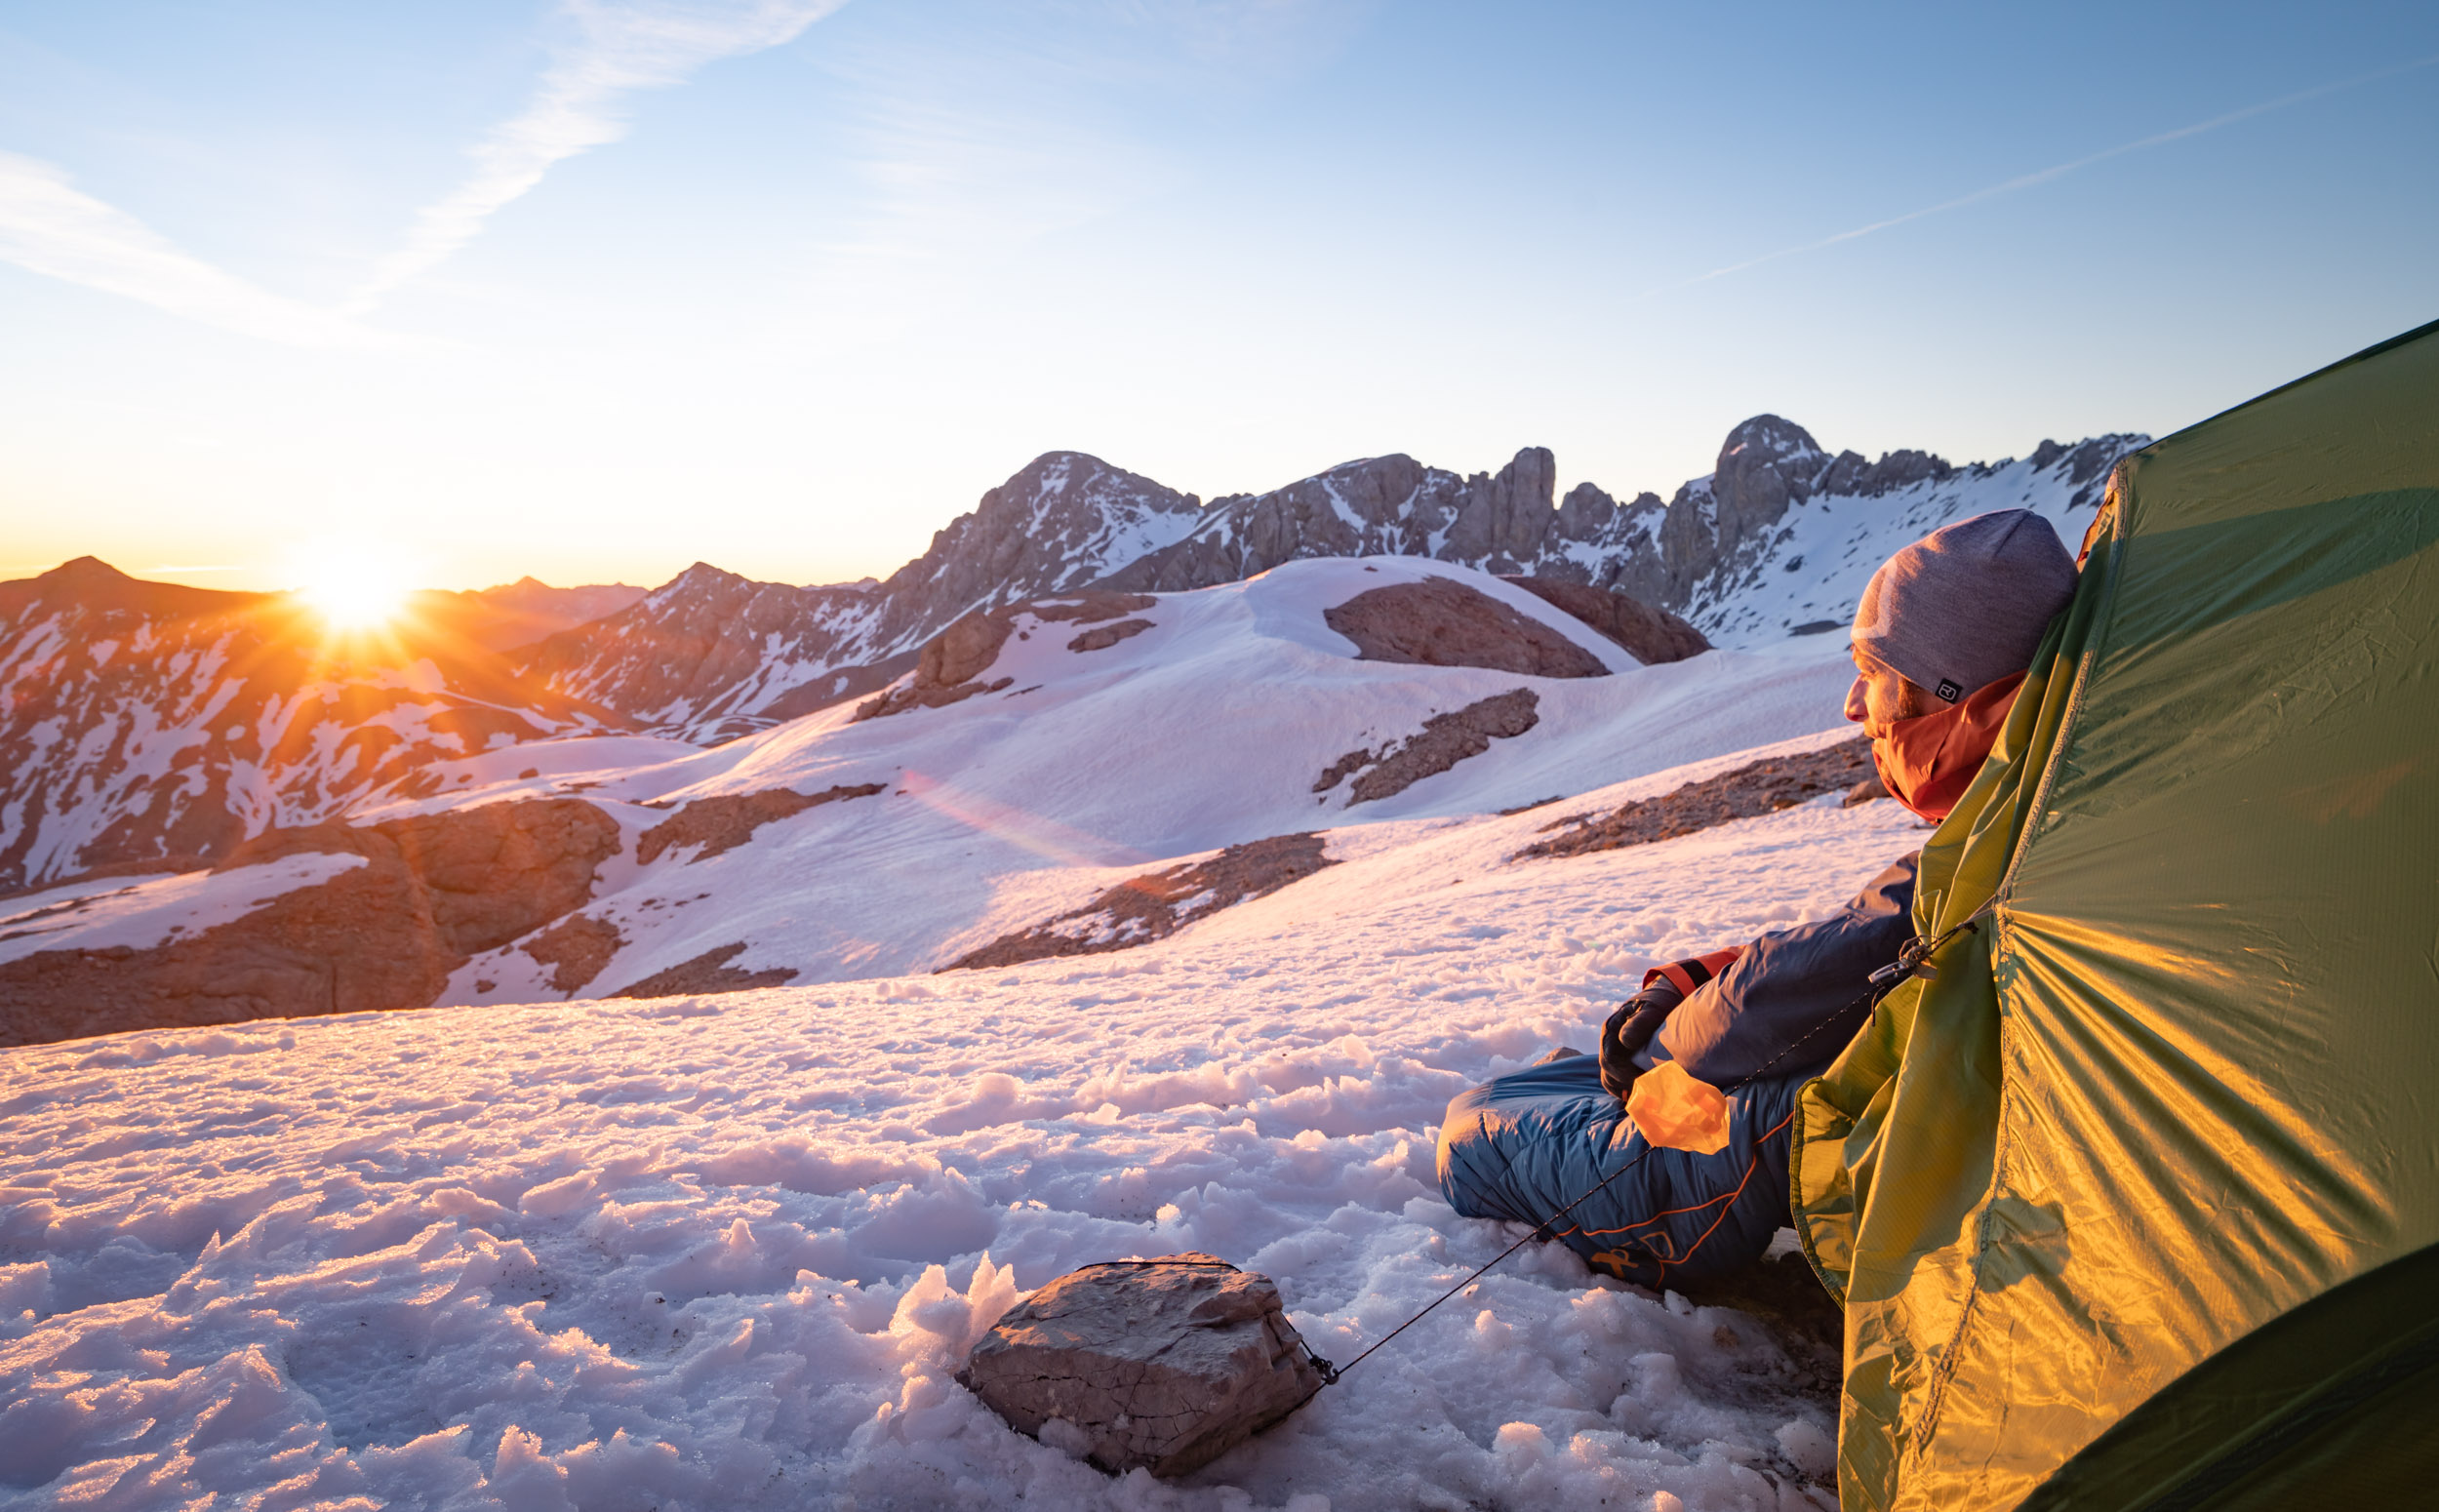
1966, 605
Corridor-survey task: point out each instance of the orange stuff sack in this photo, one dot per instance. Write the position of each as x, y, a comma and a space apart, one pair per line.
1676, 1110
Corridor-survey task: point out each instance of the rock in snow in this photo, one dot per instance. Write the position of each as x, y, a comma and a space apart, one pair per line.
1441, 623
1650, 634
1444, 740
412, 900
1164, 1364
1765, 786
1157, 905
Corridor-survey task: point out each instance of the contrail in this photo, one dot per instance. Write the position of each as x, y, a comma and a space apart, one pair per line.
579, 107
2059, 171
50, 226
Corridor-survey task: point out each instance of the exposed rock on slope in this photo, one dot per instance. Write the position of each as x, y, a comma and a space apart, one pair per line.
1444, 740
1765, 786
1444, 623
952, 662
147, 723
361, 940
432, 892
498, 871
728, 821
707, 973
1157, 905
1649, 635
575, 949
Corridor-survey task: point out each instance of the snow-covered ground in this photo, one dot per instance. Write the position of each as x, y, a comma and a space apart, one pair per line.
726, 1252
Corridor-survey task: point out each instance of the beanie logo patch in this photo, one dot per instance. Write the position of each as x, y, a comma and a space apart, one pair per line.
1947, 691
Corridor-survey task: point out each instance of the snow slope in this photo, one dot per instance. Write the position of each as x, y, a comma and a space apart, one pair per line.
1209, 729
726, 1252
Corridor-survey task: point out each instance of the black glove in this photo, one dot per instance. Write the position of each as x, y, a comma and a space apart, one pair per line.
1629, 1030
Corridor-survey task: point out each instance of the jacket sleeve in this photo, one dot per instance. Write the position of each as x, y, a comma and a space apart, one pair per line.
1783, 1006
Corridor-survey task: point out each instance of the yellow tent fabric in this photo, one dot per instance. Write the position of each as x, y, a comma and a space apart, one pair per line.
2133, 1203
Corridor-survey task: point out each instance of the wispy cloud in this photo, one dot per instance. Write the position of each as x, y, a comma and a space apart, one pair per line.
50, 226
2061, 169
621, 48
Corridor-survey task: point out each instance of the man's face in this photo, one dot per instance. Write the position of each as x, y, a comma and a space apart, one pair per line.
1880, 696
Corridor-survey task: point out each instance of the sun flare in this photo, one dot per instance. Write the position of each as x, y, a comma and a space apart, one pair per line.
354, 587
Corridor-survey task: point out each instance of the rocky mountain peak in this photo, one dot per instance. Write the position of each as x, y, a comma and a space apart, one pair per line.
1505, 518
84, 571
88, 585
1765, 464
700, 578
1060, 521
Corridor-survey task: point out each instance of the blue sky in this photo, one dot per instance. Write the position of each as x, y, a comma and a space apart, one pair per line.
596, 291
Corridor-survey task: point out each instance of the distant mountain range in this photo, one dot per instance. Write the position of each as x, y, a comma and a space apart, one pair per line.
149, 726
711, 655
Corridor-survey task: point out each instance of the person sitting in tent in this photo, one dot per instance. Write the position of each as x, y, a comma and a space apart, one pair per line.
1941, 640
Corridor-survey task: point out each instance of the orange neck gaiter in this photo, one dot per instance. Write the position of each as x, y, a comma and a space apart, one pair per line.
1926, 762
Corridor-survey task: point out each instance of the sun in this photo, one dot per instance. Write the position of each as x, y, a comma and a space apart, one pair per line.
355, 586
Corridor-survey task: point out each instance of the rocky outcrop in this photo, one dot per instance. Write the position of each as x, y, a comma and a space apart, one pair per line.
1442, 623
575, 949
433, 891
1378, 506
707, 974
1444, 740
951, 665
1158, 903
361, 940
1062, 522
505, 870
1764, 787
1160, 1365
1649, 635
728, 821
1103, 637
1715, 523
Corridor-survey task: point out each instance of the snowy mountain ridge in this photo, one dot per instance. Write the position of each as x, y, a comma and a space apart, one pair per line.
711, 655
147, 722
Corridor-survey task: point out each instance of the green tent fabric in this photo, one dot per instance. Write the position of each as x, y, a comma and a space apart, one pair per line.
2134, 1203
